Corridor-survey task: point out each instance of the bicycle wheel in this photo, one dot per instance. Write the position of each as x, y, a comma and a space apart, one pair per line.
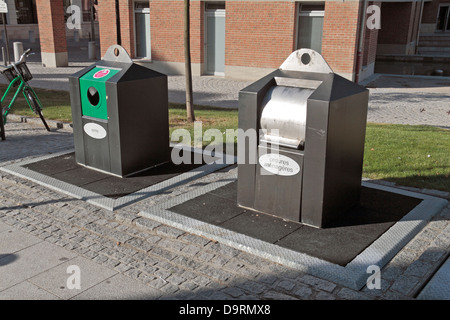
36, 107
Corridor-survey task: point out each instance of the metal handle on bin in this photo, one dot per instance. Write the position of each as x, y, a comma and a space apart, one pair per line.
116, 53
306, 60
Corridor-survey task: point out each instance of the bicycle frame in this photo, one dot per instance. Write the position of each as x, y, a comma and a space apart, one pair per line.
22, 86
28, 92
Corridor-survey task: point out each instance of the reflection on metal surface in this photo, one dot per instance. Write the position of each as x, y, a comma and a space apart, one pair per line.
284, 110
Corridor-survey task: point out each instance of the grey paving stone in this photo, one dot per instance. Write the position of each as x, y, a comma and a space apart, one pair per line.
12, 240
286, 285
252, 287
405, 285
119, 287
29, 262
26, 291
321, 295
349, 294
303, 292
438, 287
233, 292
273, 295
55, 279
168, 231
318, 283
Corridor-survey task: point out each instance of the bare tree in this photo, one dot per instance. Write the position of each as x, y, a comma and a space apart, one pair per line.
187, 61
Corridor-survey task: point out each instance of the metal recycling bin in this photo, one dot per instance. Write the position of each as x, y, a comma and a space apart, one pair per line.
120, 115
310, 125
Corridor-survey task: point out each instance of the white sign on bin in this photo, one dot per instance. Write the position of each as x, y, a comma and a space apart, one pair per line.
3, 7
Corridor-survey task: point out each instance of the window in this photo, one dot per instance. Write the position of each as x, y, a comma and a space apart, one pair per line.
26, 11
443, 19
85, 9
219, 5
142, 29
310, 26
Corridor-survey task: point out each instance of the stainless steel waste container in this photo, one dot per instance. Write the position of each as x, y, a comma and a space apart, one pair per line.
305, 164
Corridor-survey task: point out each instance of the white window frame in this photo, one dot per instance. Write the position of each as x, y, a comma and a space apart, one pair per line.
145, 10
311, 13
211, 13
447, 19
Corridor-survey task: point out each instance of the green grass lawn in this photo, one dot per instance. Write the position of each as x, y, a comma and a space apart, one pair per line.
416, 156
56, 104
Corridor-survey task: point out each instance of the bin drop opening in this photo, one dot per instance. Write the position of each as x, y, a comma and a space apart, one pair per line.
93, 96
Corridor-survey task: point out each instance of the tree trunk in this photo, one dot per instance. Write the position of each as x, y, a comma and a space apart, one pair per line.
187, 61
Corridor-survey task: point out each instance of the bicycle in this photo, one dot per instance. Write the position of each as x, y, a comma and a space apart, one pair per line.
18, 76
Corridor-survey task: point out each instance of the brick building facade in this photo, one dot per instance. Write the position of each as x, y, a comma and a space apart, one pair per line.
257, 35
247, 39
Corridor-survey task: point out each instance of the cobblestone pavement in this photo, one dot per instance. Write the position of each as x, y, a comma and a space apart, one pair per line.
174, 264
409, 100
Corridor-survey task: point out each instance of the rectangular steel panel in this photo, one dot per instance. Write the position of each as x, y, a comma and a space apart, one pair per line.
277, 194
96, 151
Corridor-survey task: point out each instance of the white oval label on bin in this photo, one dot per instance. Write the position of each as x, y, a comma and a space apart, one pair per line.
279, 164
102, 73
94, 130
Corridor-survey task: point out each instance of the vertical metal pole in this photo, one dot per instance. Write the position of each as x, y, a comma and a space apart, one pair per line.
359, 56
91, 3
119, 38
6, 38
2, 125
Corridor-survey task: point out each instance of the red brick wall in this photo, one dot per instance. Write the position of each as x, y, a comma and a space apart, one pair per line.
259, 34
52, 28
167, 30
127, 26
166, 25
340, 35
107, 24
197, 14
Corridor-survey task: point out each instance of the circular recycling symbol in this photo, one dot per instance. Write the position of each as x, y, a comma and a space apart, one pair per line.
102, 73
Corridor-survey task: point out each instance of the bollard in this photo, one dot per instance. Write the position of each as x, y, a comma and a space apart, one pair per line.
31, 37
91, 50
18, 50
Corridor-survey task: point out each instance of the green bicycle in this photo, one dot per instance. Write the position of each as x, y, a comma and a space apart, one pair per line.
18, 76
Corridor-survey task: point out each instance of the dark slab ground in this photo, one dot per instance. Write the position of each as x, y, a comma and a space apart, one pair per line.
339, 243
65, 168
